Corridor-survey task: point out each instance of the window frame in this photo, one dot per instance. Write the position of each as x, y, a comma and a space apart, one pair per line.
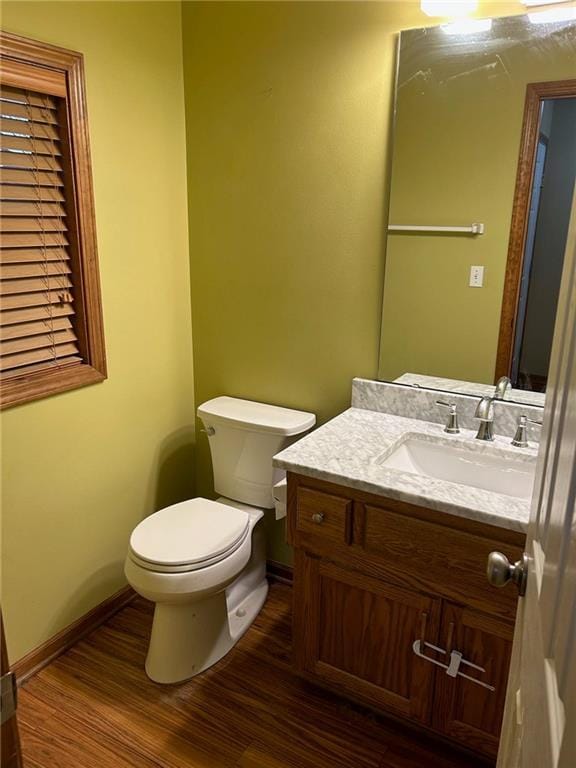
59, 72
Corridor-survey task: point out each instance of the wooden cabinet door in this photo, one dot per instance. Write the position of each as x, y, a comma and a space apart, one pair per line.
355, 634
464, 710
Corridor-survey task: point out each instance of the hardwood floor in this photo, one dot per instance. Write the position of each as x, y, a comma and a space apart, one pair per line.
95, 708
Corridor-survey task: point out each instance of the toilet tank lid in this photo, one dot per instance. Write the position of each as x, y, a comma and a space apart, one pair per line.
246, 414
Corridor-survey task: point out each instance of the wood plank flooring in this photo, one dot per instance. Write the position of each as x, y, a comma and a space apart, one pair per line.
95, 708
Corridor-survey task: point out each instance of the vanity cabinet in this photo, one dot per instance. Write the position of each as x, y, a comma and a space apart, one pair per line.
378, 586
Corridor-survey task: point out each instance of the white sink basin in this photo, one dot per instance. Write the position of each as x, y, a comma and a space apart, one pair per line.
499, 472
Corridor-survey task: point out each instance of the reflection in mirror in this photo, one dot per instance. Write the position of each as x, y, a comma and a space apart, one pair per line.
485, 144
539, 232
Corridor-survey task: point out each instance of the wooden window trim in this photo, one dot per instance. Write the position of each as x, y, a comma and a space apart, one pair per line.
60, 72
535, 94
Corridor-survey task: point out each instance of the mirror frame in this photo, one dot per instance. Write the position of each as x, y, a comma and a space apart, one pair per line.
536, 93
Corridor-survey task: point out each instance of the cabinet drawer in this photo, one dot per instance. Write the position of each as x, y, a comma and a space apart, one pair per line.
324, 515
437, 558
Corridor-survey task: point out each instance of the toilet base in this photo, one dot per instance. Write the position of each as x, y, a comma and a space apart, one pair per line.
240, 619
188, 638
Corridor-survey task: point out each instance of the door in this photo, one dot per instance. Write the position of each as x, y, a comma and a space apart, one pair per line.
539, 728
356, 634
10, 741
470, 710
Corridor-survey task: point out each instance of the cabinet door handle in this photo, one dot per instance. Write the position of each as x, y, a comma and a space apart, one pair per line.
318, 517
419, 646
450, 638
423, 625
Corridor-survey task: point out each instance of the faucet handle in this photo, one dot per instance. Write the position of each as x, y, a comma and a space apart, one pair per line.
451, 427
520, 439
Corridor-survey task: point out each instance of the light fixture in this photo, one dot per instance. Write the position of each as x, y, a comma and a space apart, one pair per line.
544, 2
448, 7
467, 26
553, 15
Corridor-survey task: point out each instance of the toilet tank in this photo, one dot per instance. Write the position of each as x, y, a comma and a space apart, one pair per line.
244, 436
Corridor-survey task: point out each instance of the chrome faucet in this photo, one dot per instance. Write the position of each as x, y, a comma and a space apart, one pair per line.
502, 386
485, 409
485, 412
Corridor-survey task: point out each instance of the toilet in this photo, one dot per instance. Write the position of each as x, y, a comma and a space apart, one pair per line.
203, 562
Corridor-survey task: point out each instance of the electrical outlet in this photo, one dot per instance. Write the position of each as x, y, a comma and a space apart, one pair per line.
476, 277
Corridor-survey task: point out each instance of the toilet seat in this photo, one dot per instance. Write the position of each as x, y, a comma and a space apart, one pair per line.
188, 536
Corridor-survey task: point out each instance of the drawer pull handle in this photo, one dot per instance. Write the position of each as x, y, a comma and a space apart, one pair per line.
318, 517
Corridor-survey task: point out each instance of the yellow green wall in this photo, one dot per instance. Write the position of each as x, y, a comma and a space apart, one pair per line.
288, 110
81, 469
455, 160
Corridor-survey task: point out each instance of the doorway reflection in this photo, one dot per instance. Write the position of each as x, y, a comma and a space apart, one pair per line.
547, 230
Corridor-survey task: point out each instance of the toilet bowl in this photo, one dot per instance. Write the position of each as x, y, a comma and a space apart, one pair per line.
195, 621
203, 562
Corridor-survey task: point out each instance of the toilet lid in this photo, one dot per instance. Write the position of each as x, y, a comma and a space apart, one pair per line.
189, 533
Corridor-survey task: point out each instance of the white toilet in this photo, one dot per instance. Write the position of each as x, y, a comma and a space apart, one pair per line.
204, 562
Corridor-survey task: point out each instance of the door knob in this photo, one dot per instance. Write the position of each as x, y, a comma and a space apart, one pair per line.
500, 571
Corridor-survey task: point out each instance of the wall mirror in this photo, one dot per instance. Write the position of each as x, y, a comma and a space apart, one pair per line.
483, 172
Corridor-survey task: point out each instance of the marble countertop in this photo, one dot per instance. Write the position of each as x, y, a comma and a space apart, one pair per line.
348, 450
470, 388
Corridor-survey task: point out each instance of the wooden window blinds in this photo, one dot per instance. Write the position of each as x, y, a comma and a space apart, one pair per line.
37, 309
51, 335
